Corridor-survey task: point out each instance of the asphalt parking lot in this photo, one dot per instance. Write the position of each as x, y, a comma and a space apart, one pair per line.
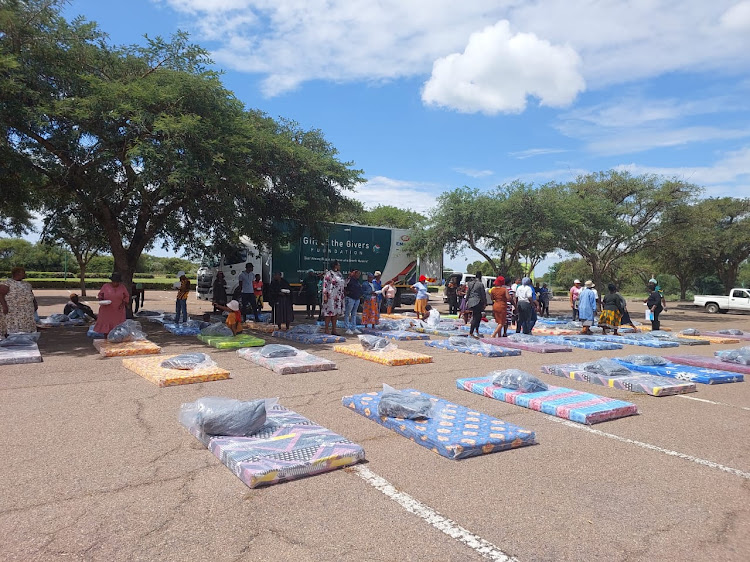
96, 466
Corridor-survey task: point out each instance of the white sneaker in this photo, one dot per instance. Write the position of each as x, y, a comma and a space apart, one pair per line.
349, 333
357, 331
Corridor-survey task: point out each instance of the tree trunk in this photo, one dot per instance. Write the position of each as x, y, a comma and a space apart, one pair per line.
82, 276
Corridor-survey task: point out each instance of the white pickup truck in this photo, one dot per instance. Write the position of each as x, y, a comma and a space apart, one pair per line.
738, 299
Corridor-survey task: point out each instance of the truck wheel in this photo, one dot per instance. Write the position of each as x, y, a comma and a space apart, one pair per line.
712, 308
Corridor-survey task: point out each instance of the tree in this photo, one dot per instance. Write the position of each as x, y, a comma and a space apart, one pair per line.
607, 216
391, 217
480, 265
147, 142
563, 273
84, 239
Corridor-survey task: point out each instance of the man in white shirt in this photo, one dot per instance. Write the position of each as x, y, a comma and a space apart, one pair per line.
248, 294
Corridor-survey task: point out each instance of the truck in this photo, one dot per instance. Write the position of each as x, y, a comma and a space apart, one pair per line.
366, 248
738, 299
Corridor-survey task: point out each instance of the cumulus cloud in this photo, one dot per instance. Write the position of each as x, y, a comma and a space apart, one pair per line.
412, 195
499, 70
737, 18
472, 173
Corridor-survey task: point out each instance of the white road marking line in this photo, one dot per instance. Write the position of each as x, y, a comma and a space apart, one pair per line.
684, 456
712, 402
441, 523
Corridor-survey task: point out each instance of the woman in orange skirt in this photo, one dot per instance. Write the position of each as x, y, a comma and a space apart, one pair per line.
500, 298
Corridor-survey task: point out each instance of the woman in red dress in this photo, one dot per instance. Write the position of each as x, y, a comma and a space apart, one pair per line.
500, 298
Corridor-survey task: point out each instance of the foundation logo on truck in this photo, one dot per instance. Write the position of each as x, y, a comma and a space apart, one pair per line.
405, 237
376, 249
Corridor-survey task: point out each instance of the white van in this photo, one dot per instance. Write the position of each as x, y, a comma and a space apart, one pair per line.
487, 280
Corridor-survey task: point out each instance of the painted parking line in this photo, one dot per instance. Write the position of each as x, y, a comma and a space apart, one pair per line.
712, 402
439, 522
702, 462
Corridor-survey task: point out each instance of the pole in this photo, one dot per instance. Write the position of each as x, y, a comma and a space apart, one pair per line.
65, 266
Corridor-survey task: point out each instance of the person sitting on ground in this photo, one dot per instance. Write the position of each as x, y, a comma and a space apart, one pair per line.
75, 309
234, 318
433, 316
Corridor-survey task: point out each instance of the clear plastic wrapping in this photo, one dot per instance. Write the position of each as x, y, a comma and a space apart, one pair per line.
607, 367
130, 330
20, 339
189, 362
217, 329
516, 379
645, 360
375, 343
690, 332
305, 329
397, 404
730, 332
225, 416
524, 338
274, 350
740, 356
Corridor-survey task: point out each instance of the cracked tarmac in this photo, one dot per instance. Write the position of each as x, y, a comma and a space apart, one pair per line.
96, 466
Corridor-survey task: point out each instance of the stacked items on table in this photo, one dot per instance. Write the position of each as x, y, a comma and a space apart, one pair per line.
173, 370
664, 368
264, 443
609, 373
445, 428
464, 344
20, 348
526, 342
286, 360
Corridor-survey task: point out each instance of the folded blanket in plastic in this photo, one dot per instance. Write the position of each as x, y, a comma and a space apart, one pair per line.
573, 405
151, 369
451, 430
393, 358
300, 362
474, 347
286, 447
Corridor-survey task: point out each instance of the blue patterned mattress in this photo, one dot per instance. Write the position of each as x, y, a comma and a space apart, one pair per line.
453, 431
583, 342
685, 373
397, 335
183, 329
482, 350
643, 342
301, 337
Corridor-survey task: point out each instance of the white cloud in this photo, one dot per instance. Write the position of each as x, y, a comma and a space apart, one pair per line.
499, 70
412, 195
530, 152
472, 173
737, 17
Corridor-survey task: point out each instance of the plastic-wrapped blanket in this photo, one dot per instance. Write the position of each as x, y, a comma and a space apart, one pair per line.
20, 354
232, 342
583, 342
536, 346
302, 362
640, 341
573, 405
453, 431
150, 369
308, 338
61, 320
396, 335
287, 447
708, 363
259, 326
639, 383
700, 375
126, 348
481, 349
191, 328
391, 358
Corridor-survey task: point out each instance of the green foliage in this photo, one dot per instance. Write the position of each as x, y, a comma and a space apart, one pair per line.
563, 273
391, 217
34, 257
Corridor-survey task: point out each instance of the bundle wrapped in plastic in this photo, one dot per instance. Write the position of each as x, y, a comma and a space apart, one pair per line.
148, 313
461, 341
274, 350
375, 343
130, 330
225, 416
607, 367
20, 339
404, 324
55, 319
740, 356
388, 325
397, 404
189, 362
523, 338
217, 329
645, 360
305, 329
690, 332
731, 332
573, 325
516, 379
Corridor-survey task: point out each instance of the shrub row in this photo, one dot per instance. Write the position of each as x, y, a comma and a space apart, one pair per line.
93, 274
76, 284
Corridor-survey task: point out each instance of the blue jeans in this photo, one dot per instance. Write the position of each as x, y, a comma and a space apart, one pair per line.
350, 313
77, 314
180, 307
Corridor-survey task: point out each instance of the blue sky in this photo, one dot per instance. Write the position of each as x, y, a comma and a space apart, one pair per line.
429, 95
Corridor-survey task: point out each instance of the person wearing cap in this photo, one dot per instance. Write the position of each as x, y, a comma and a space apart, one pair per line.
575, 293
420, 304
183, 290
370, 305
308, 290
234, 316
75, 309
353, 291
500, 297
249, 302
587, 306
114, 311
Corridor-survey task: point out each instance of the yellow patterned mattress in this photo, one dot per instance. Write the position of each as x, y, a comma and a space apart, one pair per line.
150, 369
712, 339
140, 347
259, 326
390, 358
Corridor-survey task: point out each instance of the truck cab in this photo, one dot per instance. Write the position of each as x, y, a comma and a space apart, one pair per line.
738, 299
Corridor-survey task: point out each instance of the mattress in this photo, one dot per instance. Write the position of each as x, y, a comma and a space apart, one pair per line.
712, 339
573, 405
259, 326
287, 447
396, 335
308, 338
488, 350
639, 383
453, 431
583, 342
700, 375
390, 358
232, 342
678, 339
545, 331
742, 337
709, 363
19, 354
484, 328
182, 329
541, 347
434, 332
303, 362
643, 342
124, 349
150, 369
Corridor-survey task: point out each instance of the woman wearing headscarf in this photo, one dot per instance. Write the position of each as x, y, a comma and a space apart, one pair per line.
613, 306
370, 308
16, 304
308, 290
587, 307
281, 296
219, 294
524, 302
656, 304
332, 297
500, 297
476, 301
113, 312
